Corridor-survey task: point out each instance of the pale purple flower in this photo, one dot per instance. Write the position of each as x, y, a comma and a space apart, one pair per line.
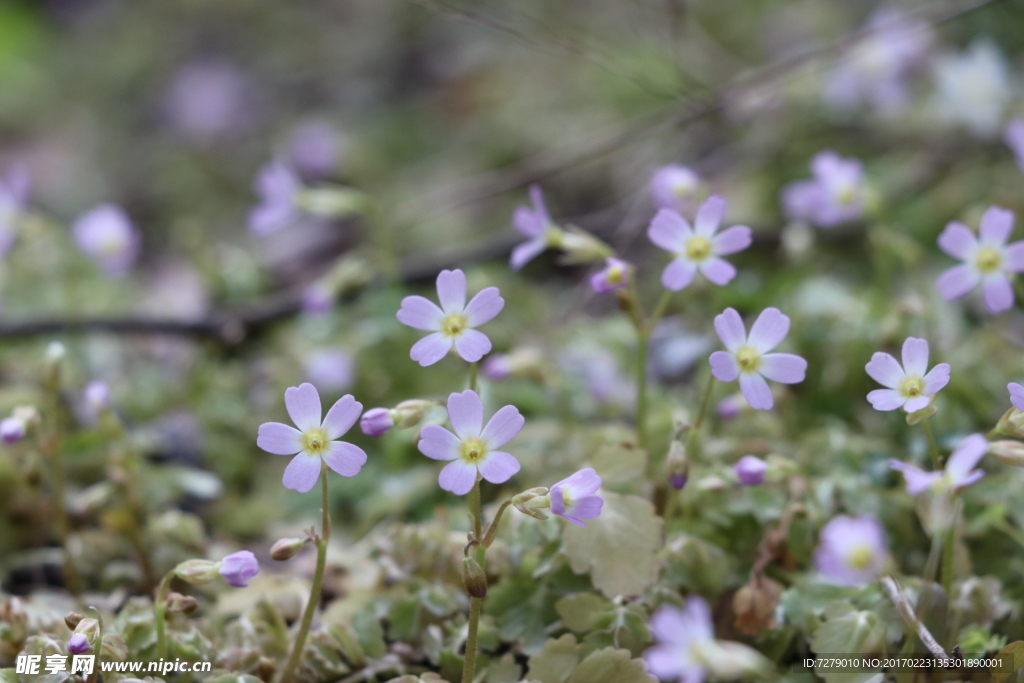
278, 187
730, 407
614, 275
536, 225
13, 199
987, 260
1016, 396
958, 473
78, 644
698, 248
834, 195
497, 367
330, 370
576, 499
852, 551
96, 395
747, 357
238, 568
750, 470
679, 635
12, 430
909, 386
315, 149
208, 101
471, 448
317, 298
974, 87
313, 441
107, 236
674, 187
1013, 134
453, 323
376, 421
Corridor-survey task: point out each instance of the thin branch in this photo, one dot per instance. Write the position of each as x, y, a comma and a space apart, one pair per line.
906, 611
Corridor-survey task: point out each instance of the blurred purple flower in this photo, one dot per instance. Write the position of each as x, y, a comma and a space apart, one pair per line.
497, 367
1016, 395
315, 150
278, 187
1013, 134
988, 261
698, 248
910, 386
317, 298
470, 449
974, 87
747, 357
376, 421
535, 224
958, 473
330, 370
730, 407
453, 323
852, 551
750, 470
674, 187
238, 568
107, 236
834, 195
13, 199
78, 644
12, 430
313, 441
575, 498
614, 275
678, 636
207, 101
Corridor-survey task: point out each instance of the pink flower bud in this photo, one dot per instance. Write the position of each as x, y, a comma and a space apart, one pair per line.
376, 421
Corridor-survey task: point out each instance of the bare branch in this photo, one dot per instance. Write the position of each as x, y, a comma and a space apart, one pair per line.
907, 612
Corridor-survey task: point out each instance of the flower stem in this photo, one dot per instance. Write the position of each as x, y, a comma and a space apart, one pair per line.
51, 449
469, 665
691, 441
641, 388
318, 579
473, 369
936, 459
659, 310
159, 607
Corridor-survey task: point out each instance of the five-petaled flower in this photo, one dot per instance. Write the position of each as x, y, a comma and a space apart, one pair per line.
471, 450
680, 638
453, 323
700, 247
747, 356
575, 498
313, 441
834, 195
107, 236
958, 473
615, 275
278, 187
910, 386
674, 187
536, 225
852, 551
988, 261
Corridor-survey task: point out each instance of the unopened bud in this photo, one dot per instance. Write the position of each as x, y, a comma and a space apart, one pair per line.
410, 413
923, 414
581, 247
677, 466
376, 422
750, 470
198, 572
266, 668
523, 362
532, 501
88, 627
473, 578
754, 605
1011, 423
1008, 452
176, 602
12, 430
287, 548
72, 619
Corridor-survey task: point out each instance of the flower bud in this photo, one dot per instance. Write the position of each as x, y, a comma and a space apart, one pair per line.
730, 407
78, 644
754, 605
90, 628
532, 501
12, 430
198, 572
52, 361
410, 413
923, 414
238, 568
176, 602
287, 548
521, 362
581, 247
677, 466
72, 619
96, 396
750, 470
376, 422
1011, 423
473, 578
1008, 452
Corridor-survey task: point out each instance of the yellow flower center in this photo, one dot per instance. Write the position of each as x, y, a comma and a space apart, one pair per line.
453, 325
615, 275
748, 358
698, 248
473, 450
860, 557
988, 260
846, 195
315, 441
912, 387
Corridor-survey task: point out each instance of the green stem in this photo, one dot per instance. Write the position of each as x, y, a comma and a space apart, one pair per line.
1010, 531
318, 579
469, 665
702, 412
160, 607
936, 459
670, 507
659, 310
492, 530
93, 677
51, 448
641, 387
473, 369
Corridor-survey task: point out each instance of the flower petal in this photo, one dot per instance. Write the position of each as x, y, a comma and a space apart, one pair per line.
430, 349
957, 281
669, 230
344, 458
957, 240
540, 206
438, 443
502, 427
718, 271
458, 477
770, 328
1013, 256
342, 415
420, 313
303, 405
756, 391
586, 507
965, 456
472, 345
886, 399
885, 370
302, 472
466, 413
484, 306
709, 216
996, 226
918, 481
526, 252
1016, 395
997, 293
724, 366
678, 274
279, 439
527, 223
787, 368
730, 329
917, 403
915, 356
936, 378
731, 240
498, 467
451, 290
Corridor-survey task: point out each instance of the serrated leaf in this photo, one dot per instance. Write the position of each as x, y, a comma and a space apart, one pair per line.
611, 666
556, 662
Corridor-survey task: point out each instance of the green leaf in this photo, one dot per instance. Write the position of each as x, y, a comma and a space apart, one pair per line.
610, 666
556, 662
1015, 651
580, 610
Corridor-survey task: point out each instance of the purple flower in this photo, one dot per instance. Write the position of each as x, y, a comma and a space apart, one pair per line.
238, 568
313, 441
453, 323
96, 395
910, 386
208, 101
13, 198
1013, 134
730, 407
614, 275
697, 248
278, 187
576, 499
750, 470
12, 430
107, 236
748, 359
834, 195
376, 421
315, 149
852, 550
471, 449
1016, 396
78, 644
674, 187
958, 473
330, 370
679, 635
317, 298
988, 261
535, 224
497, 367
